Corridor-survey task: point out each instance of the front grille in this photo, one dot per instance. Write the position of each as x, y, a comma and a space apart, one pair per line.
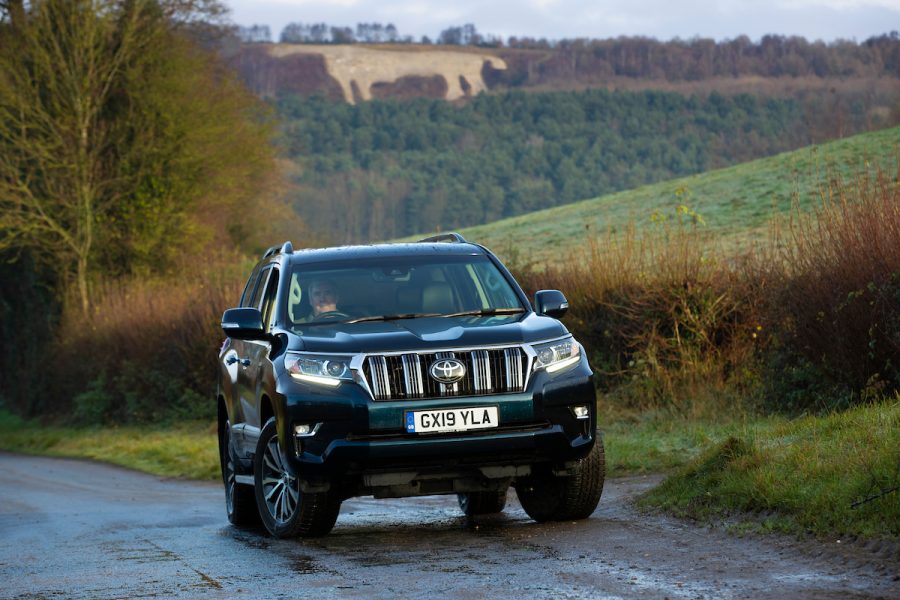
405, 376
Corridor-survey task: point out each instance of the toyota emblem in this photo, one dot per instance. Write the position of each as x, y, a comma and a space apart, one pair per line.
447, 370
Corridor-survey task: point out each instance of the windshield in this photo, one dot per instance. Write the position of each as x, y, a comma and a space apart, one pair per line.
398, 288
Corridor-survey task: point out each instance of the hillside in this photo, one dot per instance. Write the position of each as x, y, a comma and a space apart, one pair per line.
389, 168
735, 203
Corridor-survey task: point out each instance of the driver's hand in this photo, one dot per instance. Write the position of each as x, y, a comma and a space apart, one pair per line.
324, 308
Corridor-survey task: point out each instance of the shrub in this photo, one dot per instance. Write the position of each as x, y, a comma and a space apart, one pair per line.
837, 298
663, 317
809, 322
145, 352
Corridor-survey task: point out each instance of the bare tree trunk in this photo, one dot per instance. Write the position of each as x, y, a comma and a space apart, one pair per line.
82, 278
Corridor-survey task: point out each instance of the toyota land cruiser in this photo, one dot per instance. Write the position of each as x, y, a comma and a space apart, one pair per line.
401, 370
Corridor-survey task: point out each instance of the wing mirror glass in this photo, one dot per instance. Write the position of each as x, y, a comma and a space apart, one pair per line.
551, 303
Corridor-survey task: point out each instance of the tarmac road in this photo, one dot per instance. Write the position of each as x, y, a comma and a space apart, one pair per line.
77, 529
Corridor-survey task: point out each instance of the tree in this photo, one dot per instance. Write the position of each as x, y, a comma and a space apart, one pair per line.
342, 35
59, 69
295, 33
254, 34
113, 129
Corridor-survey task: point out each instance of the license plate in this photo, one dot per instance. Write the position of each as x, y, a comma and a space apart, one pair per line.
453, 419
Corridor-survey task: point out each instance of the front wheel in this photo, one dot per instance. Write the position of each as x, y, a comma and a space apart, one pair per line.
286, 511
546, 497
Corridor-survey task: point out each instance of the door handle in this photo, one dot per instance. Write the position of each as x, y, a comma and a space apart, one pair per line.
245, 362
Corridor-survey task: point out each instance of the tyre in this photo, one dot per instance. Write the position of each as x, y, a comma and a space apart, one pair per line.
285, 510
549, 498
482, 503
240, 501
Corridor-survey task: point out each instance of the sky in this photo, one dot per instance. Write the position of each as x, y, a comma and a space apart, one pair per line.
557, 19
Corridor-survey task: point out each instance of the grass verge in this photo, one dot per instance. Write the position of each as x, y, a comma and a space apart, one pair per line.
818, 475
188, 450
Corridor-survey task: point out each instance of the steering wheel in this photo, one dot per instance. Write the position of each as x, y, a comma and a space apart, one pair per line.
331, 315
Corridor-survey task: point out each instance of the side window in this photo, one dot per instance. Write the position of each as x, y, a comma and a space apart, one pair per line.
248, 289
268, 301
260, 288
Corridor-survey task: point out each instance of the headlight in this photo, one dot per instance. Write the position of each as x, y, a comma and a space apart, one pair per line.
316, 368
558, 355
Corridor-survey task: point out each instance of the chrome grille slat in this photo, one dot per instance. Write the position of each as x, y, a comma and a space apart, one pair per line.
412, 376
404, 376
481, 375
380, 383
513, 363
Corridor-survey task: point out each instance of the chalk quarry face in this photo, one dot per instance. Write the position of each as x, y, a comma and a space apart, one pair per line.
357, 69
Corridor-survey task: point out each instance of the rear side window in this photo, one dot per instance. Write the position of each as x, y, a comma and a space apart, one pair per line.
268, 307
260, 288
247, 294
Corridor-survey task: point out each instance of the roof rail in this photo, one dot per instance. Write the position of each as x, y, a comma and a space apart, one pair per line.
451, 237
285, 248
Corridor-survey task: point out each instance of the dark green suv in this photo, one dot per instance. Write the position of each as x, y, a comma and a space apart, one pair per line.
401, 370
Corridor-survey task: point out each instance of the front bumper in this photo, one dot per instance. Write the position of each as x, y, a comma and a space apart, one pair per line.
355, 435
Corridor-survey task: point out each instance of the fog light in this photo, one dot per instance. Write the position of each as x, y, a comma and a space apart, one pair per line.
306, 429
581, 412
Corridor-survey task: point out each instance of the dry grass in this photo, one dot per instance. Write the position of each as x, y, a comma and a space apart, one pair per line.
839, 292
666, 320
145, 352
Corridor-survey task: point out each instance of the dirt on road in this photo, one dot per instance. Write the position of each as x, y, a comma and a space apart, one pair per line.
76, 529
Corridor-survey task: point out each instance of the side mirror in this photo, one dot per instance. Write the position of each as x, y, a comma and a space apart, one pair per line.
551, 303
243, 324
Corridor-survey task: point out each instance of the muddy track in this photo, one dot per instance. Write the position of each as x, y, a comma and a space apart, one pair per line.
74, 529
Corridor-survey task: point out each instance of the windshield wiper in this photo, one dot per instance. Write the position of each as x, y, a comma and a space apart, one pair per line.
486, 312
481, 312
394, 317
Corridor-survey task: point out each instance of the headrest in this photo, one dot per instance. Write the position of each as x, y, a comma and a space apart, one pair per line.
437, 298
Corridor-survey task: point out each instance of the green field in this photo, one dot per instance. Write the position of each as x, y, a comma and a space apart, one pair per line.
736, 204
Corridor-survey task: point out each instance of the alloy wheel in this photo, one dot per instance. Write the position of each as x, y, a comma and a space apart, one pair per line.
280, 491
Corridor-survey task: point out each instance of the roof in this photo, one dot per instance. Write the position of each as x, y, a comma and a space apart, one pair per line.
339, 253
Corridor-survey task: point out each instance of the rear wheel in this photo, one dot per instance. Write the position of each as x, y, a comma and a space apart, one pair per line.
481, 503
240, 502
286, 511
546, 497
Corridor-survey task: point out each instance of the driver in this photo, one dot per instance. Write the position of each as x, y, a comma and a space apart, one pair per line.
323, 297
